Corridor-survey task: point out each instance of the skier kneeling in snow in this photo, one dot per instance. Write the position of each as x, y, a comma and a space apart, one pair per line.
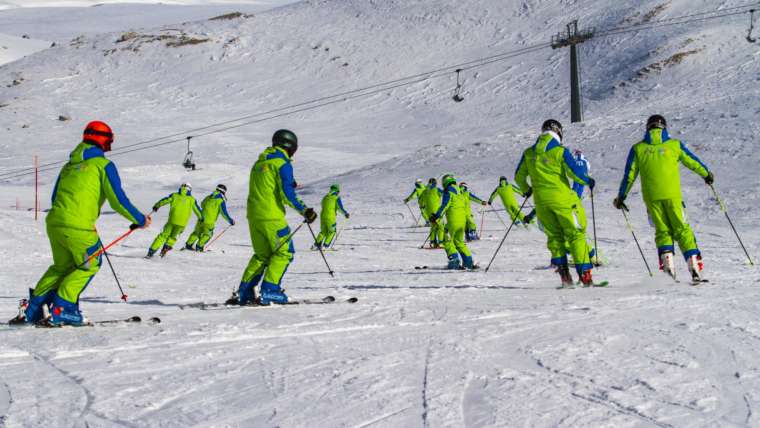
181, 204
212, 206
471, 229
548, 165
85, 182
331, 203
656, 158
271, 187
454, 205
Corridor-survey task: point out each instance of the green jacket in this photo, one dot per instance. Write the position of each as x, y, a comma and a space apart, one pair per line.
272, 186
548, 165
431, 198
506, 192
331, 203
85, 182
454, 204
419, 189
212, 206
181, 204
656, 159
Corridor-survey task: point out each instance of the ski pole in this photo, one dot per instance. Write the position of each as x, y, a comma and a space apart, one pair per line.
593, 222
103, 249
499, 217
115, 277
416, 220
505, 237
337, 235
630, 227
482, 220
217, 236
329, 269
427, 238
725, 211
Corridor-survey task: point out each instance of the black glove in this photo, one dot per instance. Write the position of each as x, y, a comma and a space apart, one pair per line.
619, 203
710, 179
134, 226
433, 218
529, 218
232, 222
309, 215
591, 183
155, 208
528, 192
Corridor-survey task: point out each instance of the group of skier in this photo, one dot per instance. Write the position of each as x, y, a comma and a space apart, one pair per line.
544, 172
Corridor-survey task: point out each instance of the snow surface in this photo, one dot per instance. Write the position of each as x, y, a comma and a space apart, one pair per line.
13, 48
420, 348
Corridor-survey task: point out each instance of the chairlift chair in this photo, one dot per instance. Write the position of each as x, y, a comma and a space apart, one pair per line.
188, 162
458, 90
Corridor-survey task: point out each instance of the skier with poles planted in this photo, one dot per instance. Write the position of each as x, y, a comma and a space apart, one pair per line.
548, 165
506, 192
270, 189
181, 204
419, 189
331, 204
84, 183
454, 205
471, 228
431, 201
656, 158
212, 206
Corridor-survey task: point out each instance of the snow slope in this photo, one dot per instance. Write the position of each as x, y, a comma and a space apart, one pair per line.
13, 48
421, 347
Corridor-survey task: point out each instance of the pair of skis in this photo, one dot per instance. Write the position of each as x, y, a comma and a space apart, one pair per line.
133, 320
224, 305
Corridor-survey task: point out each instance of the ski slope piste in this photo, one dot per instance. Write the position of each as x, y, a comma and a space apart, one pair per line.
352, 213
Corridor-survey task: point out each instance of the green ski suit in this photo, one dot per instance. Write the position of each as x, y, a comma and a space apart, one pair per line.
506, 192
85, 182
454, 205
419, 189
656, 159
271, 188
331, 204
469, 197
212, 206
181, 205
431, 202
548, 165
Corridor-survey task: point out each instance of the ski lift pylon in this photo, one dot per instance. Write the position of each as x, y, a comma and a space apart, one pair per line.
458, 90
188, 162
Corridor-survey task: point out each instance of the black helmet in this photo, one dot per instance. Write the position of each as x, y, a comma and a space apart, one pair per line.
502, 178
656, 121
286, 140
433, 181
554, 126
222, 189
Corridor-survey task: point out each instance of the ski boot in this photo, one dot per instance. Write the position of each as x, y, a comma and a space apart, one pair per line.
165, 250
20, 318
468, 264
586, 279
246, 295
33, 309
189, 247
668, 264
564, 274
66, 313
272, 293
695, 268
454, 262
198, 248
150, 254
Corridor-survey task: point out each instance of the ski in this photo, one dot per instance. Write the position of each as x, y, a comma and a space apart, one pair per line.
446, 269
131, 320
596, 284
223, 305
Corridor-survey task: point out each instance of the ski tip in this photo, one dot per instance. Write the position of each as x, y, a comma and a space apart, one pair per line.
134, 319
328, 299
352, 300
155, 320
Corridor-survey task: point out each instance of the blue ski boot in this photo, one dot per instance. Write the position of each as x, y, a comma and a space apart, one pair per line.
454, 262
150, 254
246, 295
272, 293
66, 313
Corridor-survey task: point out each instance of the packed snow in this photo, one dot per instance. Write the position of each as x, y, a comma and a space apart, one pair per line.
420, 347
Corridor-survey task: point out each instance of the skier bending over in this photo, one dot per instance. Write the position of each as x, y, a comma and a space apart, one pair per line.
85, 182
454, 205
506, 192
431, 200
548, 165
656, 159
471, 228
419, 188
181, 204
270, 188
331, 203
212, 206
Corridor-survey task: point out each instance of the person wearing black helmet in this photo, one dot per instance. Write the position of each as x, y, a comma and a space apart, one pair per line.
548, 165
212, 207
656, 159
270, 189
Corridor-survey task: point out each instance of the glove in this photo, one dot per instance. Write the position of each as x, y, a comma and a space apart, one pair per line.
232, 222
619, 203
309, 215
347, 215
490, 203
529, 218
528, 192
591, 183
134, 226
433, 218
710, 179
484, 203
155, 208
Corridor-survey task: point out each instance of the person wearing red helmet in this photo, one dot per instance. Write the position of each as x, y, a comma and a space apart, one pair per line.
84, 183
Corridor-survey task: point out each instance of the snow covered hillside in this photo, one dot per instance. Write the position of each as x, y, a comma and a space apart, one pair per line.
13, 48
420, 347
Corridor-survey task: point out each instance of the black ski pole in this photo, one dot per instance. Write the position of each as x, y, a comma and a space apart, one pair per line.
505, 237
630, 227
118, 284
329, 269
725, 211
593, 222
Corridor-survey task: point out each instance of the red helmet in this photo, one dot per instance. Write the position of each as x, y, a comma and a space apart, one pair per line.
98, 134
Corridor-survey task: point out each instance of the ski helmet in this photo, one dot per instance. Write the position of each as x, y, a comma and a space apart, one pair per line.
418, 181
656, 121
448, 180
335, 188
502, 179
98, 134
433, 181
554, 126
463, 185
221, 189
187, 186
286, 140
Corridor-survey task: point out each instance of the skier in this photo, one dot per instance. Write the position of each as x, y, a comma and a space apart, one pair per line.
471, 228
271, 187
656, 159
548, 165
84, 183
212, 206
181, 204
582, 163
431, 201
454, 205
506, 192
419, 188
331, 203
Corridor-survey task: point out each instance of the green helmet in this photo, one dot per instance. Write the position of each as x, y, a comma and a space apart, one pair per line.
335, 188
447, 180
286, 140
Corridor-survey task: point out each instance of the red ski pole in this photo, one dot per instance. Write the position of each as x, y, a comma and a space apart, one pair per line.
103, 249
218, 235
